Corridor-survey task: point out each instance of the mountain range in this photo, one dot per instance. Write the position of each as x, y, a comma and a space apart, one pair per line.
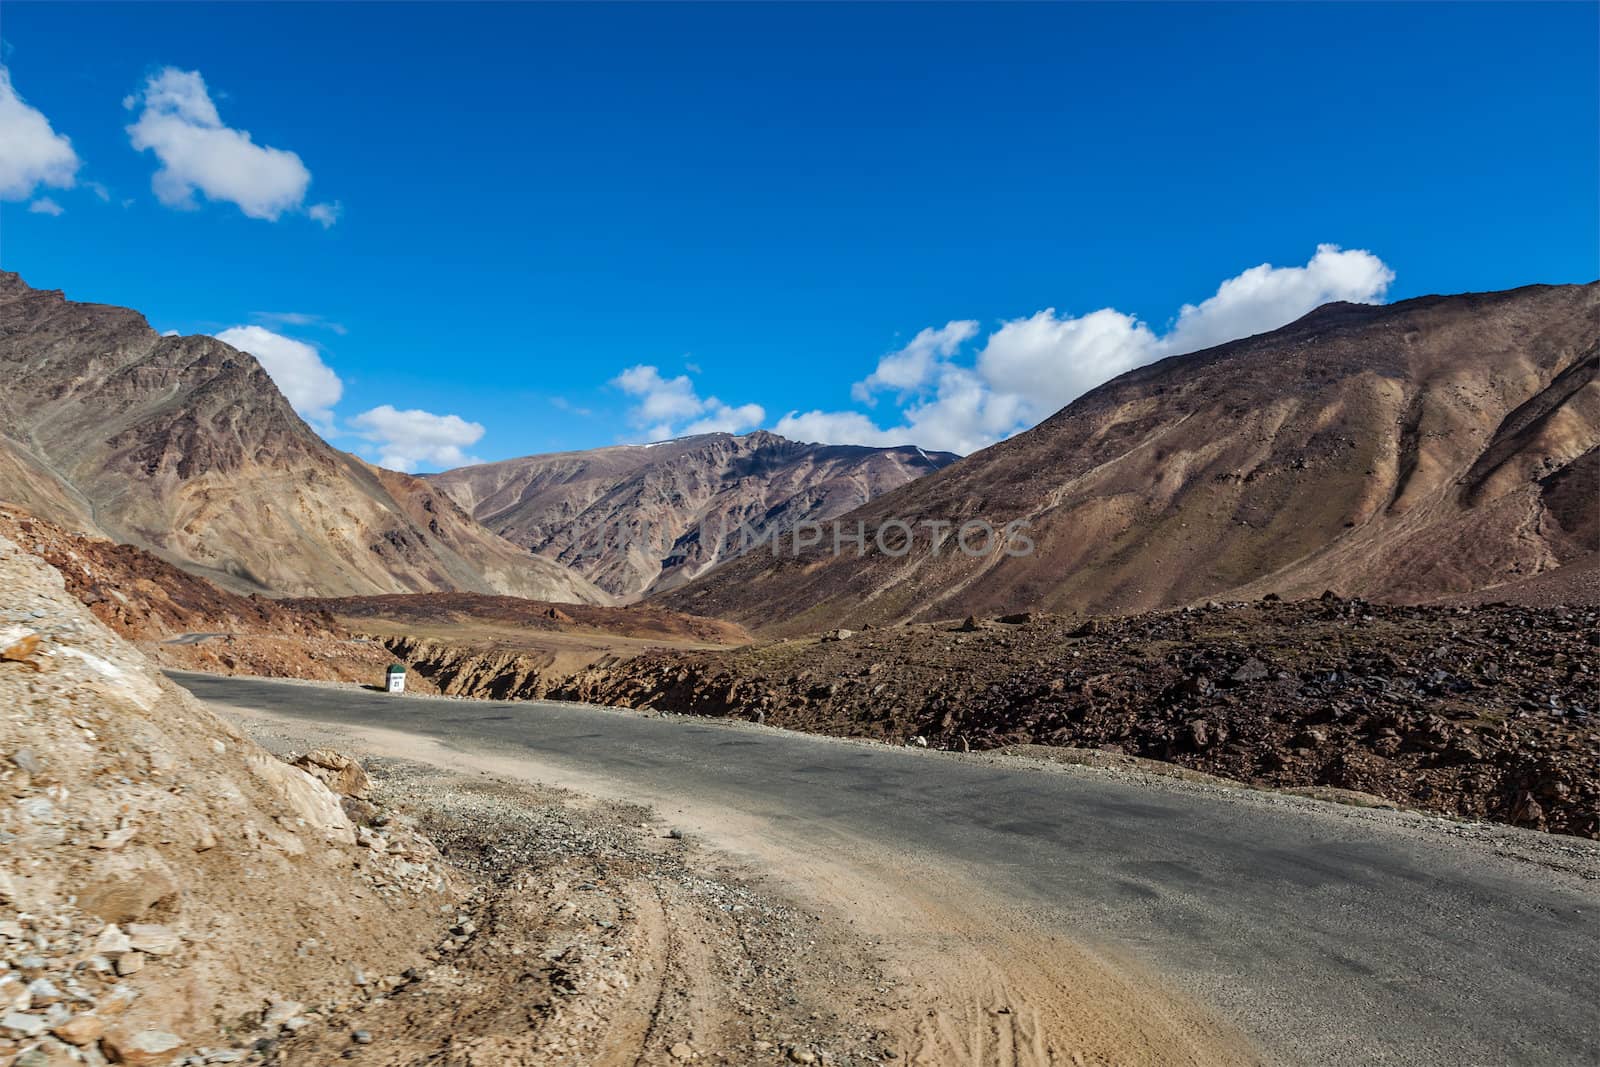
184, 447
1404, 452
638, 519
1429, 448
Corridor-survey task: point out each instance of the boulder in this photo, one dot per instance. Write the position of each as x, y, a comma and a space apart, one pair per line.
337, 771
81, 1030
124, 886
308, 798
142, 1048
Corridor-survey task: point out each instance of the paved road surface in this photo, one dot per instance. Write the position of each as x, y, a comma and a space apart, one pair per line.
1329, 937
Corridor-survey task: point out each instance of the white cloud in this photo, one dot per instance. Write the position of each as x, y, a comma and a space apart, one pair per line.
836, 428
566, 405
1049, 359
724, 418
309, 384
913, 366
99, 190
45, 206
327, 214
181, 125
407, 440
34, 154
670, 407
1030, 367
661, 398
1266, 297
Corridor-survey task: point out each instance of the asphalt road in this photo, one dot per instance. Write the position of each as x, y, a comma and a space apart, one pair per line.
1328, 936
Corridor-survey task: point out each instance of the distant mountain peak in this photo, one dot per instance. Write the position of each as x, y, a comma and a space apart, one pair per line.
646, 518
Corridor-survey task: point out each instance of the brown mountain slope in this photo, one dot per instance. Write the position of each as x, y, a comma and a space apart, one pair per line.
145, 599
183, 446
1403, 452
152, 604
672, 510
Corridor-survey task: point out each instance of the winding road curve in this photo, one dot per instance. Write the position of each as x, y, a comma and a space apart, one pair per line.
1327, 935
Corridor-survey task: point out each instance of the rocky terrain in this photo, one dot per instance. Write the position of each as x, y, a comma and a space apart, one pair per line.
1482, 712
180, 620
635, 519
617, 939
1403, 452
183, 446
173, 893
486, 646
169, 887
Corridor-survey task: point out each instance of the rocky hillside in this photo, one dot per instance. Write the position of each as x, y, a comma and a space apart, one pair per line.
1403, 452
185, 447
644, 518
142, 597
1485, 712
180, 620
169, 886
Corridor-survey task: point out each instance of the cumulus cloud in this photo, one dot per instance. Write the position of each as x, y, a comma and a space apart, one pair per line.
199, 154
913, 366
1050, 359
310, 385
34, 153
671, 407
407, 440
45, 206
724, 418
837, 428
1266, 297
403, 440
1028, 368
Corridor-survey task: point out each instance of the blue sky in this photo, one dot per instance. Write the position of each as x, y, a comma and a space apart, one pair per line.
573, 226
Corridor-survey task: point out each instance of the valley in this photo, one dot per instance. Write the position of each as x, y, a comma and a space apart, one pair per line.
1264, 711
799, 535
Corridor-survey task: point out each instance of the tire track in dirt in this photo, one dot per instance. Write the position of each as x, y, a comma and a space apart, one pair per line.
968, 981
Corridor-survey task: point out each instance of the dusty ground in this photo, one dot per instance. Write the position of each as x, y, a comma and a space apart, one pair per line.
504, 622
464, 644
626, 945
593, 937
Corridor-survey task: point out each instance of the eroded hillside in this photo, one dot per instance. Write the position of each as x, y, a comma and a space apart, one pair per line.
646, 518
1400, 452
185, 447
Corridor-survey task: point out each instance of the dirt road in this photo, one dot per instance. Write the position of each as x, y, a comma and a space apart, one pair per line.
1033, 907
